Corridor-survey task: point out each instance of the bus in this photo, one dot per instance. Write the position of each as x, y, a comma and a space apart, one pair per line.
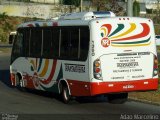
86, 54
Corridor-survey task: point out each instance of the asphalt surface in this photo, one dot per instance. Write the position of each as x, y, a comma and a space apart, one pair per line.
36, 105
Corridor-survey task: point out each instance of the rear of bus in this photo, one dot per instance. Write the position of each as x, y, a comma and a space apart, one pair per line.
123, 55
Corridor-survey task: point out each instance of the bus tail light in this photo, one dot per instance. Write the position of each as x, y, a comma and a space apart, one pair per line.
155, 66
97, 69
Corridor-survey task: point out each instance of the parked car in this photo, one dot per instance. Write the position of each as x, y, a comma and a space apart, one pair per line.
157, 39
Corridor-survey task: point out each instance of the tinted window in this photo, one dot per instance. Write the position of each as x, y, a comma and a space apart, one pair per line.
84, 43
55, 42
74, 43
35, 42
67, 42
47, 38
26, 41
18, 46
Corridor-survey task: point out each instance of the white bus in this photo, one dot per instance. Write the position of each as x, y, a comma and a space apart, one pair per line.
86, 54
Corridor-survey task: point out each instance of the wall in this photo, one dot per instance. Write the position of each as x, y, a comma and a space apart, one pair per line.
47, 1
45, 11
39, 10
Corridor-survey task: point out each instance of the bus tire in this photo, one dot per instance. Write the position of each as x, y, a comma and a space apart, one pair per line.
119, 98
65, 94
18, 83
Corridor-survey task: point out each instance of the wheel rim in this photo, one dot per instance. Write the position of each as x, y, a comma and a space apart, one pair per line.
66, 94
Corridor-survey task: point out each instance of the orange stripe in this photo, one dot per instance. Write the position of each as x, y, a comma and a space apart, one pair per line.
44, 71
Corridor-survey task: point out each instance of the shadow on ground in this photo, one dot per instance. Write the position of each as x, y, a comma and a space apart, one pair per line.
5, 77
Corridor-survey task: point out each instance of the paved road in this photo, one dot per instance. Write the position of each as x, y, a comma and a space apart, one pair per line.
4, 61
42, 105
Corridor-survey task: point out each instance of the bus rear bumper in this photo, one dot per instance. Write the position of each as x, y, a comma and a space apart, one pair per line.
79, 88
124, 86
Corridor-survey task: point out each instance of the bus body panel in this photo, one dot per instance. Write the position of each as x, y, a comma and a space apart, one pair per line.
126, 51
121, 50
44, 74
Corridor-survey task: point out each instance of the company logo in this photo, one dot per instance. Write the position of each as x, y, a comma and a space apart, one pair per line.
105, 42
125, 35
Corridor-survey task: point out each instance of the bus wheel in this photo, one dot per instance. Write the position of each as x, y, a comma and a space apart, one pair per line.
117, 98
65, 94
19, 83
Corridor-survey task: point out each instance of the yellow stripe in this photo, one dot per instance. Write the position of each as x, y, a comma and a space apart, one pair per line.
133, 45
45, 68
132, 28
32, 62
105, 32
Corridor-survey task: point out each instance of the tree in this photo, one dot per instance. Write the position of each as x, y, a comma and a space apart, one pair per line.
72, 2
108, 5
100, 4
112, 5
136, 8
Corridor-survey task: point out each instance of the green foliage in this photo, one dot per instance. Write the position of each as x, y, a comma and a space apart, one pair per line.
3, 16
71, 2
7, 24
157, 29
100, 4
149, 11
136, 8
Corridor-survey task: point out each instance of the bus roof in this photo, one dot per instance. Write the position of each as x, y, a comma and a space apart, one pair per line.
81, 18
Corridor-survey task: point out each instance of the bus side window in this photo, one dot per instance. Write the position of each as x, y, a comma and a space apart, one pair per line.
84, 43
18, 46
65, 43
55, 42
47, 38
51, 42
26, 41
74, 41
36, 42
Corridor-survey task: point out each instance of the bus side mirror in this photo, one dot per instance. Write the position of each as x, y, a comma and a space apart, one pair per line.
11, 38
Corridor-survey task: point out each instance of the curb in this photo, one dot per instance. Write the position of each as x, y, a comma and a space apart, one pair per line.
144, 101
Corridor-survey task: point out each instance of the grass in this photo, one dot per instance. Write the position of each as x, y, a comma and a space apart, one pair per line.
151, 96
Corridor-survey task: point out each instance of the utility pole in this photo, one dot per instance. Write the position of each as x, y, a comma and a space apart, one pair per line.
130, 8
81, 6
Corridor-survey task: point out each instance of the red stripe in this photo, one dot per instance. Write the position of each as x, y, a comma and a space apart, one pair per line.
29, 79
30, 25
48, 80
55, 23
12, 78
144, 33
79, 88
109, 27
